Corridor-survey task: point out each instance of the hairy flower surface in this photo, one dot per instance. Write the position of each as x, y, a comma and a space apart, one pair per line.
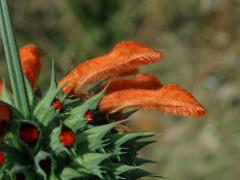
141, 81
30, 61
124, 56
127, 72
168, 99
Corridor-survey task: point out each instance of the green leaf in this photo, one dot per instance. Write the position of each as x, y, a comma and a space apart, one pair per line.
76, 119
69, 173
41, 155
141, 144
53, 84
140, 161
89, 163
92, 160
120, 139
44, 106
13, 62
72, 103
138, 173
5, 174
15, 114
118, 169
30, 93
91, 139
28, 171
44, 112
47, 115
6, 96
11, 139
52, 176
13, 154
55, 143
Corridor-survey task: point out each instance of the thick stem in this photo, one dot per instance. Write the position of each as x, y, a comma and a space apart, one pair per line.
13, 62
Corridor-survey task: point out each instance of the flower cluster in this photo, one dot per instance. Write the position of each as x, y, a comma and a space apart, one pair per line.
70, 133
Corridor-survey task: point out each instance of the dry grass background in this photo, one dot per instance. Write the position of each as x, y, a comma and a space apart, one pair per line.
201, 42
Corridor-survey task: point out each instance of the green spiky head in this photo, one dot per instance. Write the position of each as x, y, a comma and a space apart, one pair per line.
59, 143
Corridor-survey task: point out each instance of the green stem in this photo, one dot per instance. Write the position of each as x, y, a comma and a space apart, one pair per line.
13, 62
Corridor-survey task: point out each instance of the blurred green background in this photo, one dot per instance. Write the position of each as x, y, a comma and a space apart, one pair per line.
201, 43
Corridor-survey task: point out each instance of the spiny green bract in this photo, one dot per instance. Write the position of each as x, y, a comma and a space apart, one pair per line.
99, 151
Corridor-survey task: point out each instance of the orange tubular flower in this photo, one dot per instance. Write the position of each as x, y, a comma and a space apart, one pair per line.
141, 81
125, 55
128, 72
169, 99
30, 60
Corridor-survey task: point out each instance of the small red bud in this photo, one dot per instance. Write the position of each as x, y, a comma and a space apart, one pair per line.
29, 133
88, 116
67, 138
2, 158
57, 104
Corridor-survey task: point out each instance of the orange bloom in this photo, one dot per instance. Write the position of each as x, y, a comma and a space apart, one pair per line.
128, 72
141, 81
169, 99
30, 60
124, 56
143, 91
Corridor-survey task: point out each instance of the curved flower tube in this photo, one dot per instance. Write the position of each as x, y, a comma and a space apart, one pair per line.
141, 81
124, 56
170, 99
31, 64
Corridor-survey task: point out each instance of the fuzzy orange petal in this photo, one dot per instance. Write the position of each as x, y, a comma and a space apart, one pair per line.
169, 99
30, 60
128, 72
124, 56
141, 81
